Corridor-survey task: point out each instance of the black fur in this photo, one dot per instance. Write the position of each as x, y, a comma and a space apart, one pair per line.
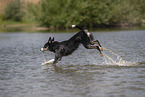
67, 47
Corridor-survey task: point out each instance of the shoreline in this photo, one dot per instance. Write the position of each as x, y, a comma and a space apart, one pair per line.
36, 28
25, 27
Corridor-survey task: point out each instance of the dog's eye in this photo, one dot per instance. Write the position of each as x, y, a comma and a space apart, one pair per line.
46, 45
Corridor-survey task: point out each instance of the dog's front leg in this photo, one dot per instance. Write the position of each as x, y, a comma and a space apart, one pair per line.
56, 61
57, 58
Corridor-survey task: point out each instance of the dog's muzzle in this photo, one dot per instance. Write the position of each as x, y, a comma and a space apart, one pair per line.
43, 49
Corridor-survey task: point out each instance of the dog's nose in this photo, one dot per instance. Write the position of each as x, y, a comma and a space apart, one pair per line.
42, 49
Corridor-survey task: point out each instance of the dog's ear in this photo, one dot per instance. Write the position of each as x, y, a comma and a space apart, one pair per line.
52, 39
49, 40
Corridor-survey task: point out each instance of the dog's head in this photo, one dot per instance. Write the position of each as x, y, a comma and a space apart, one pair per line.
48, 45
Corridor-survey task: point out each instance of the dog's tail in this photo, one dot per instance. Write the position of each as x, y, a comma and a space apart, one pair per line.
90, 35
81, 28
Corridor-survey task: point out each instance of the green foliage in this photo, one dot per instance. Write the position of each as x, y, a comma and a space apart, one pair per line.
13, 11
63, 13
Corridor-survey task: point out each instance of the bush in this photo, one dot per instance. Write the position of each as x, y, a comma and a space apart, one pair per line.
13, 11
91, 13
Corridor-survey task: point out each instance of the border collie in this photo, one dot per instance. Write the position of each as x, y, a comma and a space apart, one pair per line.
67, 47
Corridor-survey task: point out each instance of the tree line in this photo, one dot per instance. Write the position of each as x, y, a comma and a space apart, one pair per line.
60, 14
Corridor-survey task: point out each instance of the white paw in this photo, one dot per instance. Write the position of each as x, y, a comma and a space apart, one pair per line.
48, 62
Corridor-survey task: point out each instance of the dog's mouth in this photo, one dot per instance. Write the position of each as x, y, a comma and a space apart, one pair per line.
44, 49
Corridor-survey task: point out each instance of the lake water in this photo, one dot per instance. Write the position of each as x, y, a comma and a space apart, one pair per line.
82, 74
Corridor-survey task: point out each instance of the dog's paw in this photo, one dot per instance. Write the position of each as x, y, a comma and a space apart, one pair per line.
101, 48
101, 54
48, 62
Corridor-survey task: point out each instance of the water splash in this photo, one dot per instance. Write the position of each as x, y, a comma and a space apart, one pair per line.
116, 61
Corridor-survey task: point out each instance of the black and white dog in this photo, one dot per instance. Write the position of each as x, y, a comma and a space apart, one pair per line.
67, 47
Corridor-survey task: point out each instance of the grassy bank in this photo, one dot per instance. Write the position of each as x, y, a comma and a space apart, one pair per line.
15, 15
13, 26
61, 14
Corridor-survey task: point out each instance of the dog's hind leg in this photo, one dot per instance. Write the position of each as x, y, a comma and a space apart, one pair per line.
97, 42
93, 47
